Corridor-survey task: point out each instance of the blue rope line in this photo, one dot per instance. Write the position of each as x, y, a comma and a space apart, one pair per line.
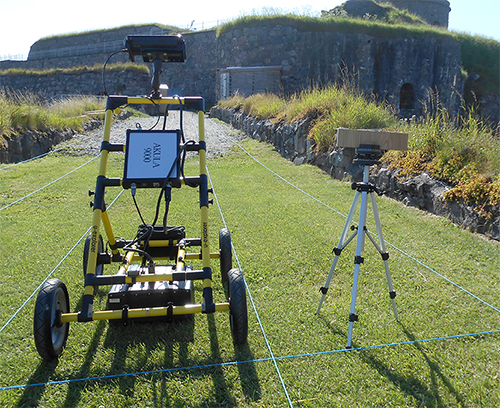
47, 185
272, 358
402, 343
52, 272
231, 363
388, 243
252, 301
444, 277
41, 284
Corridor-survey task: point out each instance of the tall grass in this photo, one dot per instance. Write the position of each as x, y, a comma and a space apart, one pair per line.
79, 70
340, 24
460, 151
328, 108
25, 111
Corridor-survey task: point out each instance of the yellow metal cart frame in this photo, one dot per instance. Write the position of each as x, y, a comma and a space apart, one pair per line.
52, 316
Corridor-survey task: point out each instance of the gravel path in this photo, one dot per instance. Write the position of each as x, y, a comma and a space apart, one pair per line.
215, 134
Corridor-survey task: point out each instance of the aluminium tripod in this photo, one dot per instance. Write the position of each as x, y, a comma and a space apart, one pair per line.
366, 156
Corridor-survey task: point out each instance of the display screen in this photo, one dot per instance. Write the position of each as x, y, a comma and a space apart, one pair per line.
151, 156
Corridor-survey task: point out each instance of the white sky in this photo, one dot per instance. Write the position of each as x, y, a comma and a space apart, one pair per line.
25, 21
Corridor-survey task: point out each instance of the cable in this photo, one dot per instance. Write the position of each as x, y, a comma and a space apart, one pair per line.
104, 69
157, 106
181, 119
188, 143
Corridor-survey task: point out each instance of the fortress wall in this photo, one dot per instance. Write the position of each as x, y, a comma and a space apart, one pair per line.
90, 83
383, 66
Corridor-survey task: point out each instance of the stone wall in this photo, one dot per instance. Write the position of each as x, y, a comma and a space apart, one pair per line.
421, 192
88, 83
435, 12
197, 76
30, 144
382, 65
86, 48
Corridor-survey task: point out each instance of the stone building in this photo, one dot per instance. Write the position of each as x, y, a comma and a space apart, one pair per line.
435, 12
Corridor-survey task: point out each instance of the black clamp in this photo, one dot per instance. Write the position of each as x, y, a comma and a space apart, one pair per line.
385, 256
358, 260
337, 251
353, 317
170, 310
207, 273
392, 294
125, 315
323, 290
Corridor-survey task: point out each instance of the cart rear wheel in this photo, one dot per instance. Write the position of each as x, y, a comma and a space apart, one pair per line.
100, 248
226, 254
238, 306
50, 333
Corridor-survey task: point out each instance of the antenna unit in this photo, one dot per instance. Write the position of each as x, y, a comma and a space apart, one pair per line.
167, 48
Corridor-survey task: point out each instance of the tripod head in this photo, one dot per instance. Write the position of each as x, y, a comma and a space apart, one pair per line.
368, 155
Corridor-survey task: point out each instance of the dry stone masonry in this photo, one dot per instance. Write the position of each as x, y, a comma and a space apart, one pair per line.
422, 191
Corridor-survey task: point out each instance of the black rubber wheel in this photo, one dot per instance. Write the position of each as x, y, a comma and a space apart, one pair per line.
50, 333
226, 253
238, 317
86, 248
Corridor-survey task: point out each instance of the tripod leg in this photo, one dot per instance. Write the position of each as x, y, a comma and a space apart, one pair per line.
358, 260
338, 250
385, 255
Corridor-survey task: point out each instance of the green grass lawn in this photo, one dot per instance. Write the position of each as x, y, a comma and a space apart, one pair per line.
283, 240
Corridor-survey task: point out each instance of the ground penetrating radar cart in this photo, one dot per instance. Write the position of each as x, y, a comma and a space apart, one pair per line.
154, 281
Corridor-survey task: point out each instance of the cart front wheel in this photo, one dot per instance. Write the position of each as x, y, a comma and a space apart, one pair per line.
226, 254
50, 333
238, 306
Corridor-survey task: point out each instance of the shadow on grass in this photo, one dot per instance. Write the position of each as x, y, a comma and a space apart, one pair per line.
32, 395
74, 389
140, 344
222, 392
147, 339
426, 395
249, 380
